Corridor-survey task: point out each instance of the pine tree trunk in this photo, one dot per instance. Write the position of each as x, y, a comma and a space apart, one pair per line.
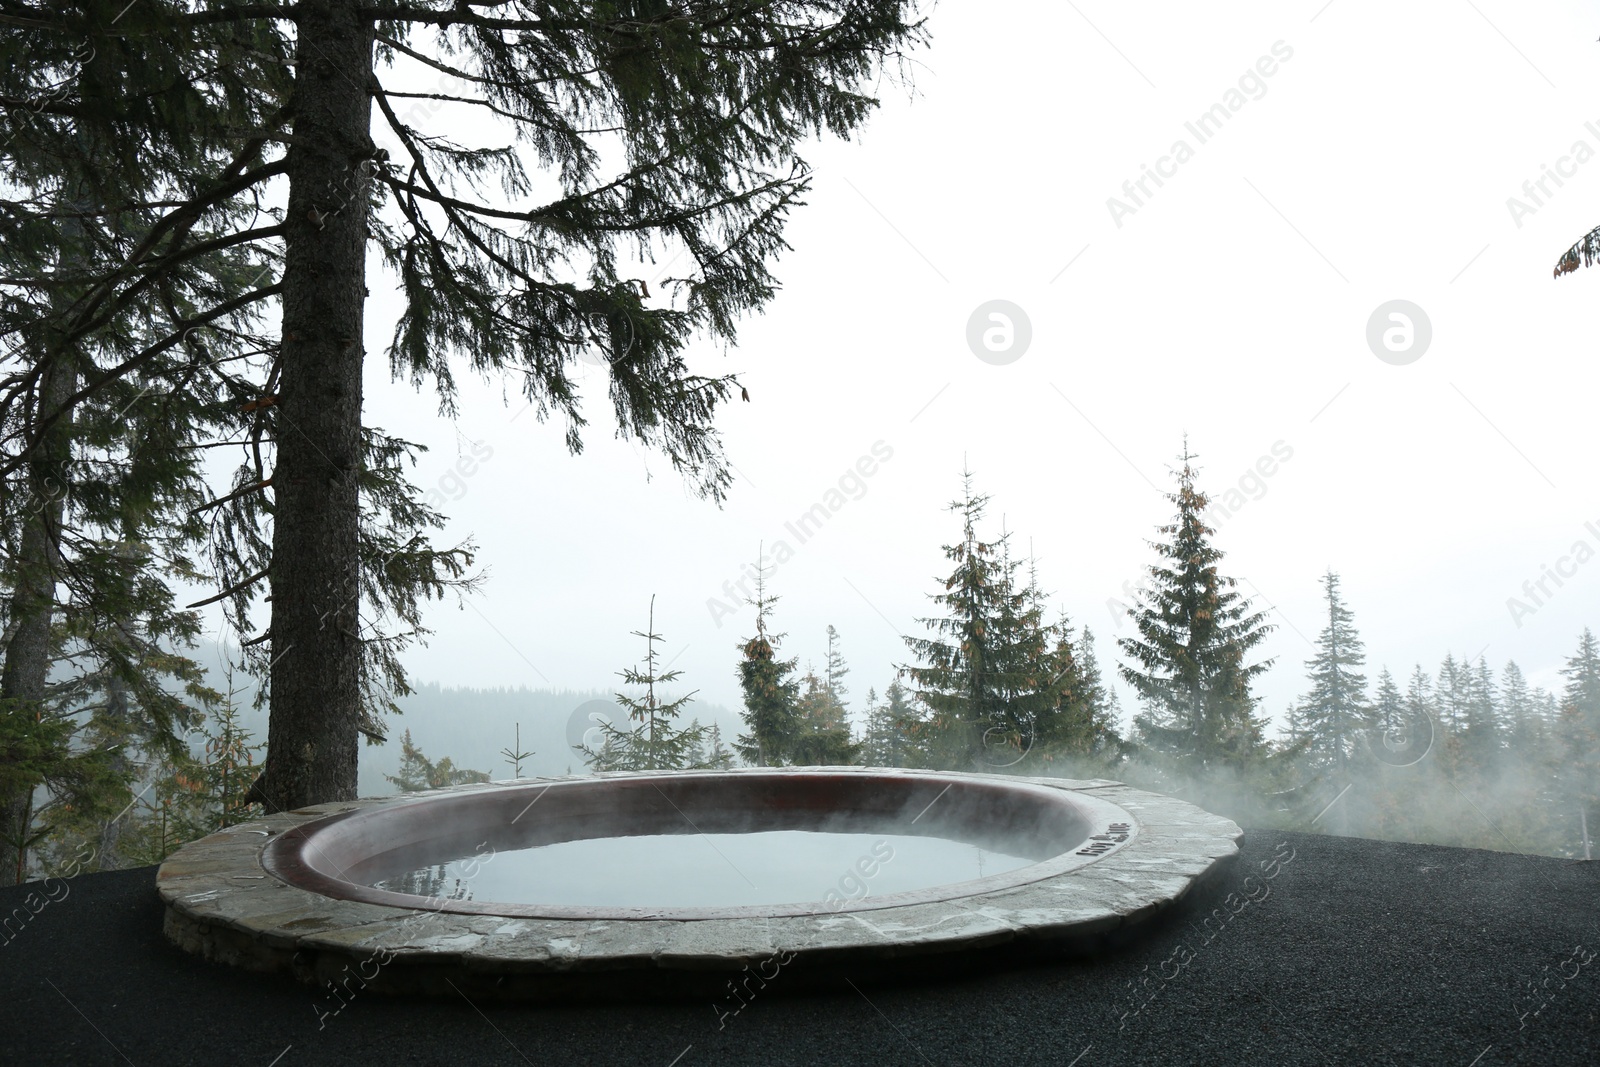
312, 738
28, 652
109, 856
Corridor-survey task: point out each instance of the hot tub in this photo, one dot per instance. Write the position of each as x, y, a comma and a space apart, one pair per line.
662, 882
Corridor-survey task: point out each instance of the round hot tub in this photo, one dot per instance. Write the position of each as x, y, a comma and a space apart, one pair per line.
729, 845
663, 882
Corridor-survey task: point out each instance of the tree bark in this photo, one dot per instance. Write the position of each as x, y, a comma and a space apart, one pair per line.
315, 677
26, 670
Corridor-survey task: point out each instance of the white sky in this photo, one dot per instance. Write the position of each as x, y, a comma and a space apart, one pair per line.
1233, 305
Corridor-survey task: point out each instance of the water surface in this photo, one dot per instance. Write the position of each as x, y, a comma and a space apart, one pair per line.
709, 870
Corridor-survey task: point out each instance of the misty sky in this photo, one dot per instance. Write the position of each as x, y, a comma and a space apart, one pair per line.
1374, 163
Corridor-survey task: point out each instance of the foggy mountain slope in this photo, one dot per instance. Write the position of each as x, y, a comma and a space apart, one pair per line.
471, 726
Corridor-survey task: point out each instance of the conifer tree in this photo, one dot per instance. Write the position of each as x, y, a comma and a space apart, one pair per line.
652, 742
875, 737
1481, 740
1452, 694
418, 773
959, 676
1388, 705
515, 754
1422, 729
770, 694
717, 757
1580, 738
1335, 712
1194, 634
1036, 671
1294, 724
670, 132
182, 795
892, 728
1094, 712
821, 736
1059, 726
1524, 729
836, 669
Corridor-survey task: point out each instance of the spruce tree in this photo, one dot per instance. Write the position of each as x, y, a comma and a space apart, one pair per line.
770, 693
652, 742
1095, 714
1579, 780
892, 726
821, 736
1524, 730
875, 738
1481, 740
1335, 712
1453, 692
1388, 705
959, 675
1035, 670
1422, 730
418, 772
1194, 634
1060, 726
717, 757
836, 670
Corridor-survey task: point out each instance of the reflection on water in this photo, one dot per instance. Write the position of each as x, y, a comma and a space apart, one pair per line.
441, 880
710, 870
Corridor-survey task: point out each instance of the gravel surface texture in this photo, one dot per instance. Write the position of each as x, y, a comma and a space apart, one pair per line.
1314, 950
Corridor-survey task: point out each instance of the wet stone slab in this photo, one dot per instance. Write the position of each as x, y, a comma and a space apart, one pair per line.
222, 904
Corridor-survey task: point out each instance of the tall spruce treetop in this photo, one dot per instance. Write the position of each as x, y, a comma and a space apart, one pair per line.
1194, 634
1582, 672
958, 676
836, 669
1526, 730
770, 692
631, 132
1035, 669
1335, 712
1453, 693
1388, 705
1090, 719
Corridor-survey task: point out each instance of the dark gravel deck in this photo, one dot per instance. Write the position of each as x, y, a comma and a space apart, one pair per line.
1362, 952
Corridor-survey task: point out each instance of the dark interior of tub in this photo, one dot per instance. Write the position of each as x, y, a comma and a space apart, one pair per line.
685, 845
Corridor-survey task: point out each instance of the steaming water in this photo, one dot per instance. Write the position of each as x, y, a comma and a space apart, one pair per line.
709, 870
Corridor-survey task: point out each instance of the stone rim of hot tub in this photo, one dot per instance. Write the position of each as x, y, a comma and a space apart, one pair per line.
309, 855
222, 904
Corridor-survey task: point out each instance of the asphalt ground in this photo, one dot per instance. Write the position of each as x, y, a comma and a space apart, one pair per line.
1335, 951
